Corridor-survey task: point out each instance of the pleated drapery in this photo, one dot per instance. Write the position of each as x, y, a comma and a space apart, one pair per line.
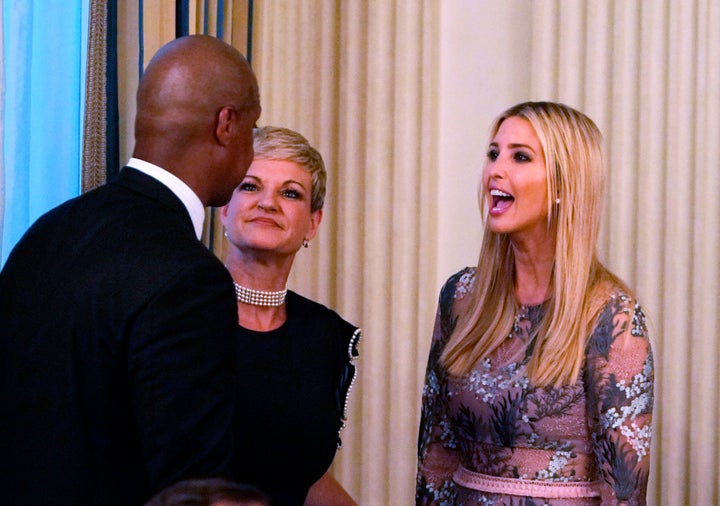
364, 82
42, 109
358, 79
2, 133
649, 73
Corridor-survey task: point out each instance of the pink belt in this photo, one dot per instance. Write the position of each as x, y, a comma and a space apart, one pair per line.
527, 488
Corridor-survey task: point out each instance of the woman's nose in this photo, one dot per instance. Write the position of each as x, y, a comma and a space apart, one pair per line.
494, 169
267, 201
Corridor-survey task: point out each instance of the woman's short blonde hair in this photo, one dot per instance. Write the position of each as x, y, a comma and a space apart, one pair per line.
278, 143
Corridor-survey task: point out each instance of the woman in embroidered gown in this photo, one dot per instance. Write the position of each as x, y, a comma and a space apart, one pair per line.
295, 356
539, 385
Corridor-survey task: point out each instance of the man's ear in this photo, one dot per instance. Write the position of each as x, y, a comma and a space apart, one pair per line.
225, 124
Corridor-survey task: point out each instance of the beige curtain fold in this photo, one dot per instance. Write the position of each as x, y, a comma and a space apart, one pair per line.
363, 80
649, 74
358, 79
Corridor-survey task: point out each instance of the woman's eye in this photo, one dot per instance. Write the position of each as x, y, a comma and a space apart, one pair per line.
492, 154
247, 187
522, 157
292, 194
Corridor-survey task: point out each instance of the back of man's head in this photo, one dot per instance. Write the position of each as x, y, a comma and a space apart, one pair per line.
183, 93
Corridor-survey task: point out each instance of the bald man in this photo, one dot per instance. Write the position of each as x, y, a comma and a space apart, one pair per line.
116, 323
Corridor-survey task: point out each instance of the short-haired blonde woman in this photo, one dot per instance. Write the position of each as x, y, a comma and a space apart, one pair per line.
295, 356
539, 386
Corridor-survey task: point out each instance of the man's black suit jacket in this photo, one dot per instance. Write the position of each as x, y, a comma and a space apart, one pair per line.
116, 351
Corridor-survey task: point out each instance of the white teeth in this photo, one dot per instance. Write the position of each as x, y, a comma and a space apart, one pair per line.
499, 193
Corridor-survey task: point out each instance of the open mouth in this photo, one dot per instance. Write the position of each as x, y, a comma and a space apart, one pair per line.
500, 200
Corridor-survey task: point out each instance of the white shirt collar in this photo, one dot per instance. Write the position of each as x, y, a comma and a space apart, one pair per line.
192, 202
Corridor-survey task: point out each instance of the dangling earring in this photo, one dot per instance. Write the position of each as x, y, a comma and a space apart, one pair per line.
306, 243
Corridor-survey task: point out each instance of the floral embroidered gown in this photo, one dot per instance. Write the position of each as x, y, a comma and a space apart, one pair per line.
594, 435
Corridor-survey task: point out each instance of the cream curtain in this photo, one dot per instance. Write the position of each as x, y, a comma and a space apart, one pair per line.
368, 83
358, 79
649, 73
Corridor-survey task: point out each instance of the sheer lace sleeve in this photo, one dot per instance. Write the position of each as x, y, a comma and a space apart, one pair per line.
437, 447
619, 382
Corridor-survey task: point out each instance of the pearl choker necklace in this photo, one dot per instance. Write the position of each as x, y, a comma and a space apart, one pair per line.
259, 297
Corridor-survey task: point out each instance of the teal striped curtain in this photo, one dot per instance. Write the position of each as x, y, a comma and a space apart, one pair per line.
44, 61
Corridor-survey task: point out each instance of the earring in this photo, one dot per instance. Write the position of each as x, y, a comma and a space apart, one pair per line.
225, 233
306, 243
557, 200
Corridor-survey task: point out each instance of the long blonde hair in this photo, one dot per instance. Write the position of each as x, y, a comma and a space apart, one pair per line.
572, 146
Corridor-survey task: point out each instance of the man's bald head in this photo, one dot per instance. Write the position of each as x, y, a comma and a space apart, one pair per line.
196, 105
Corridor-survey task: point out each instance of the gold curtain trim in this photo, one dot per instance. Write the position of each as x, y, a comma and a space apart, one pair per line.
94, 168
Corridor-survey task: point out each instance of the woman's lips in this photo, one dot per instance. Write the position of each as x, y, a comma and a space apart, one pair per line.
265, 221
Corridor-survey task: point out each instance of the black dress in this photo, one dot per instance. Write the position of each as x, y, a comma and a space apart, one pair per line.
293, 384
